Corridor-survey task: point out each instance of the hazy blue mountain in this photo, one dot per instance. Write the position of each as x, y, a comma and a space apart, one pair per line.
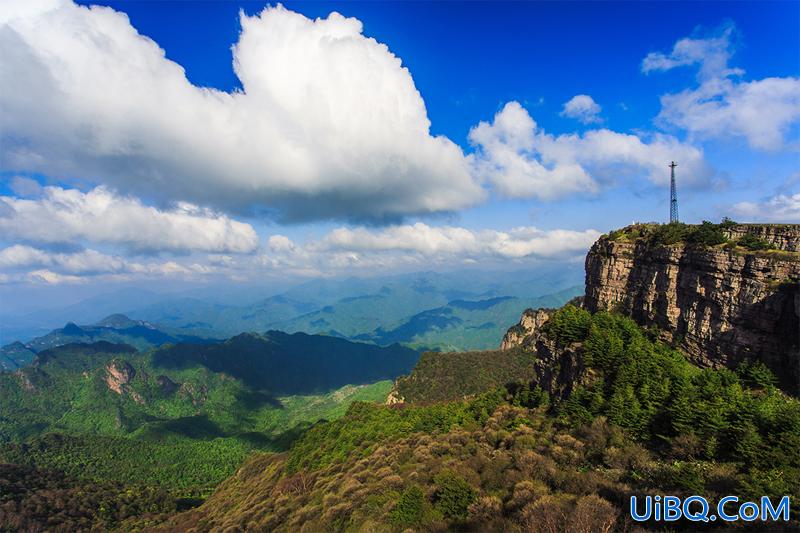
203, 318
15, 326
369, 308
464, 324
115, 328
15, 355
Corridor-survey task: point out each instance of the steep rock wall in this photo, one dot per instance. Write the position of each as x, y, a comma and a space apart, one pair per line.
720, 306
529, 324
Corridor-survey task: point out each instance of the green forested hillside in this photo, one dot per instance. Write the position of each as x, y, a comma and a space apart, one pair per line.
34, 499
443, 376
182, 417
15, 355
642, 420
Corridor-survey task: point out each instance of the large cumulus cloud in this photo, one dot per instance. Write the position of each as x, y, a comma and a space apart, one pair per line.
328, 124
522, 160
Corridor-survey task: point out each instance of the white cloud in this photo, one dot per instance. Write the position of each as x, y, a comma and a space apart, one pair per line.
344, 250
329, 123
582, 107
521, 160
449, 241
710, 53
778, 208
84, 262
51, 278
26, 263
411, 247
69, 215
762, 112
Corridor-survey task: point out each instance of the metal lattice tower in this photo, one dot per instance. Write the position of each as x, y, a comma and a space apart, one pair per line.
673, 194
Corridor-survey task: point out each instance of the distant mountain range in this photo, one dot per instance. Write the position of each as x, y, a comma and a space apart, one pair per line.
423, 310
351, 308
115, 328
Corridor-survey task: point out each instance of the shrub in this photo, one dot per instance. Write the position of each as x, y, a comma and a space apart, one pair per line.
706, 234
453, 495
486, 509
411, 508
753, 243
592, 514
547, 515
757, 374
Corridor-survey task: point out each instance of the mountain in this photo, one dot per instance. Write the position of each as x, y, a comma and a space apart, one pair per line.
611, 412
15, 355
291, 364
582, 409
369, 309
463, 324
115, 328
223, 389
23, 325
182, 417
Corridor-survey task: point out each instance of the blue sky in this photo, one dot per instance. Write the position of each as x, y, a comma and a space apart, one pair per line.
149, 177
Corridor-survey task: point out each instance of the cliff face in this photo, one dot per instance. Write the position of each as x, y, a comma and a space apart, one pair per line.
529, 324
719, 305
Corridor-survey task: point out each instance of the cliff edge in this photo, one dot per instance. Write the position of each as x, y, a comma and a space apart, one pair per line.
722, 293
721, 300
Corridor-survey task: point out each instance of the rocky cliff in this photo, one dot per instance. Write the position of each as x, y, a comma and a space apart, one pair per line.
530, 323
720, 304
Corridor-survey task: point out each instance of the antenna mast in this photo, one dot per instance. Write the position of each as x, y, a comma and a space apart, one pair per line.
673, 194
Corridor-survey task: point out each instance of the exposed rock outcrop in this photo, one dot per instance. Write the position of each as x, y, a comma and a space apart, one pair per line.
720, 305
529, 324
394, 397
118, 375
784, 237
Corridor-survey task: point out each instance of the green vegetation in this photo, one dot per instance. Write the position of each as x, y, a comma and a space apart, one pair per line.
517, 469
15, 355
655, 394
35, 500
640, 420
108, 414
186, 455
184, 467
706, 234
452, 376
248, 384
751, 242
